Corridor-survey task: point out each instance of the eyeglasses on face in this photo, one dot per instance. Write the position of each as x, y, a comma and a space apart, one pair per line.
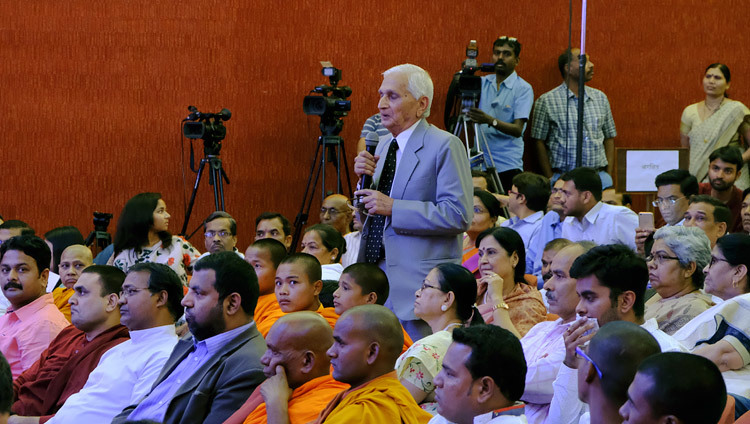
659, 258
583, 355
669, 201
222, 234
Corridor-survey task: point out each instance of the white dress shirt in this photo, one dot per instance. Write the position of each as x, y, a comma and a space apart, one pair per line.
353, 241
124, 375
603, 224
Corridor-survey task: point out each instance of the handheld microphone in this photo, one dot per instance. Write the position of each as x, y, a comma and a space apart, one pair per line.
371, 142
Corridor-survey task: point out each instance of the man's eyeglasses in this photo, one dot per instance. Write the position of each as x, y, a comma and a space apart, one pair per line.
659, 258
583, 355
212, 234
669, 201
330, 211
131, 291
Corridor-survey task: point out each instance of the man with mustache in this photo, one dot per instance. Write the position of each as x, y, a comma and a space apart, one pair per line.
220, 231
209, 374
504, 107
33, 320
724, 168
63, 368
543, 345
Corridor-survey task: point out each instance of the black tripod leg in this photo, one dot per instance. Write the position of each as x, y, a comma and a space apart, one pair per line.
304, 208
350, 193
192, 198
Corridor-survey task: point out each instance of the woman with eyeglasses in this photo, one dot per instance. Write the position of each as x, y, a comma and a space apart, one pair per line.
486, 211
143, 236
675, 271
504, 298
327, 245
445, 301
720, 333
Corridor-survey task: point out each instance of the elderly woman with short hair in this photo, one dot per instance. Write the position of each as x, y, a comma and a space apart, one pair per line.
675, 271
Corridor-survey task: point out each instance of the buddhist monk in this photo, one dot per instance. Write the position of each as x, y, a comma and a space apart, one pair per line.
73, 260
265, 255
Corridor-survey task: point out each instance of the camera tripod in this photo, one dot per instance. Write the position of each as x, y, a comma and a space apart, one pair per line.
216, 178
333, 146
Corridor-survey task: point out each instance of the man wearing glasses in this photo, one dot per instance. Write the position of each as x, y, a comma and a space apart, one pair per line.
221, 234
335, 212
527, 200
504, 107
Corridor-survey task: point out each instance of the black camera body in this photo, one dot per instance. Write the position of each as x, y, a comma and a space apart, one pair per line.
208, 127
331, 104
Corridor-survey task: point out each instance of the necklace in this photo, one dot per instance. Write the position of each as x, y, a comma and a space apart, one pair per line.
712, 110
454, 324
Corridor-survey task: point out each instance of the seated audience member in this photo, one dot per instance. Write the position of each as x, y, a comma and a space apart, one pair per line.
479, 180
6, 390
273, 225
265, 255
297, 286
366, 343
673, 191
551, 229
675, 387
327, 245
607, 366
353, 240
143, 236
543, 345
58, 239
590, 219
486, 211
482, 378
220, 232
363, 284
675, 271
149, 306
708, 214
32, 321
63, 368
527, 200
718, 332
73, 261
724, 168
502, 258
299, 384
551, 250
745, 215
335, 211
445, 302
8, 229
611, 283
611, 197
208, 376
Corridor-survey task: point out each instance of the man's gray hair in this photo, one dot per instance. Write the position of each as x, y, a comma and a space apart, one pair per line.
420, 84
689, 244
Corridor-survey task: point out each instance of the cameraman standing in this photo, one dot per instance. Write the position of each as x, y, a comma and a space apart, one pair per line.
504, 106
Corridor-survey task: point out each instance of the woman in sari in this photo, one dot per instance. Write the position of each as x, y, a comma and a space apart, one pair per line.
486, 210
143, 236
715, 122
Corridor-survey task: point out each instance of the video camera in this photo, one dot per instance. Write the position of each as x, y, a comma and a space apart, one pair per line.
331, 105
470, 85
206, 126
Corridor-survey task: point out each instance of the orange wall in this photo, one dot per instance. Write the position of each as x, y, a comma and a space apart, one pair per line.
93, 91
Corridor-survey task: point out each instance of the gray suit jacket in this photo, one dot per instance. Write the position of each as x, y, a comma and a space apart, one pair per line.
433, 206
216, 389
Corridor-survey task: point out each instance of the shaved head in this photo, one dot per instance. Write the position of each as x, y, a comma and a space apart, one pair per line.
376, 323
80, 251
73, 260
298, 342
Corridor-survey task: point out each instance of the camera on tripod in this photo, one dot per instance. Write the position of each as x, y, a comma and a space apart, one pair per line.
331, 105
206, 126
470, 85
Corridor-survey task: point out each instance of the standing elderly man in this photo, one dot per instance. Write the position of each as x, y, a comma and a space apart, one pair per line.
422, 202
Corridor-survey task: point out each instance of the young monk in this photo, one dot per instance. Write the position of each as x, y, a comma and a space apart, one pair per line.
265, 255
297, 286
363, 284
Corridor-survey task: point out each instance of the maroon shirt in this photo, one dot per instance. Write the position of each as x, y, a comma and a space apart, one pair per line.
734, 204
62, 370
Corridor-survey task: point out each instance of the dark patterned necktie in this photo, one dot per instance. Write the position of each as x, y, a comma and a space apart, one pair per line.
375, 232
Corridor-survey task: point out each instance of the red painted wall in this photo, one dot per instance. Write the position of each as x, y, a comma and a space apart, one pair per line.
93, 91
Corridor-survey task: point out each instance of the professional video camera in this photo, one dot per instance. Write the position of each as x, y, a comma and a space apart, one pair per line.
206, 126
100, 234
466, 87
331, 105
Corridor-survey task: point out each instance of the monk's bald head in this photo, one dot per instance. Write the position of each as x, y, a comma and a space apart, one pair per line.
376, 323
298, 342
73, 260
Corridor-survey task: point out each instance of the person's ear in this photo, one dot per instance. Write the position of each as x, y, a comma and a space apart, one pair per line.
690, 269
422, 104
372, 353
161, 298
307, 362
485, 389
740, 273
514, 259
626, 302
722, 228
334, 254
450, 297
371, 298
318, 287
44, 276
113, 304
233, 303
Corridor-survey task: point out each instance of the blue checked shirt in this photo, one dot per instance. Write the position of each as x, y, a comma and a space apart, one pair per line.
549, 123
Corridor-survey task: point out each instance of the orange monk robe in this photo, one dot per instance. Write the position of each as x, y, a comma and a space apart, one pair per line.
266, 313
264, 325
382, 400
60, 296
407, 341
304, 406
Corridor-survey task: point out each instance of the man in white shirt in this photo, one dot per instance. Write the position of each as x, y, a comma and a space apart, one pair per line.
482, 378
588, 218
527, 200
149, 306
543, 345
